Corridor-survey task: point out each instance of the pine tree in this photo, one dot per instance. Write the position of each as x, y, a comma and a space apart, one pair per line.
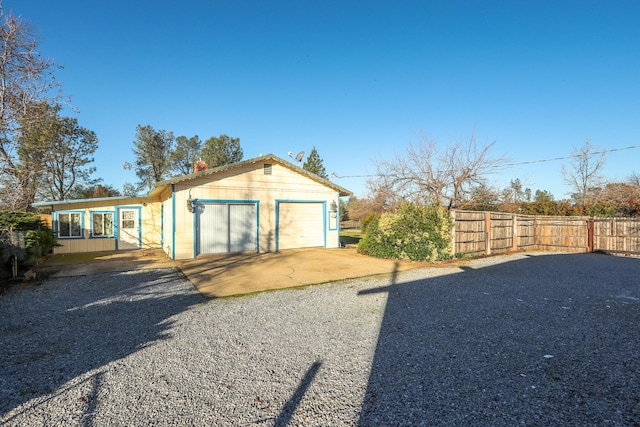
221, 150
314, 164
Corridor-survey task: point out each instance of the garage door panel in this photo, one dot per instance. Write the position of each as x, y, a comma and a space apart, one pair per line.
213, 220
242, 228
300, 225
226, 227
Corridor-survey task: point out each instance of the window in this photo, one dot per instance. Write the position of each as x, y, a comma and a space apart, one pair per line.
102, 224
128, 219
69, 224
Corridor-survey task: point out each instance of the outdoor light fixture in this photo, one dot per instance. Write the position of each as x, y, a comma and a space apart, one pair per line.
334, 206
191, 204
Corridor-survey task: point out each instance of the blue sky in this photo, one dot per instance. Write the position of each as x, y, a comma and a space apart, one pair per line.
358, 80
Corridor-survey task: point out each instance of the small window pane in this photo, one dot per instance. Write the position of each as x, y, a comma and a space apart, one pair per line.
76, 228
63, 221
108, 224
98, 226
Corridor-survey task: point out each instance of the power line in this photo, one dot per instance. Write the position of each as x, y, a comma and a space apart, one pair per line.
571, 157
529, 162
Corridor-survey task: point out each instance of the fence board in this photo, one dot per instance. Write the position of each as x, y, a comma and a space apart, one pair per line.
469, 231
617, 235
510, 232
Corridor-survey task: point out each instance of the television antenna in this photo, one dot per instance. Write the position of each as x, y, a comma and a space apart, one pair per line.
298, 157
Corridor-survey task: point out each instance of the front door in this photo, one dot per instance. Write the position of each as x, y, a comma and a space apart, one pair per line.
128, 228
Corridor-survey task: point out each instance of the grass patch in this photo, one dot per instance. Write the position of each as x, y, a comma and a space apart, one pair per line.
74, 258
350, 237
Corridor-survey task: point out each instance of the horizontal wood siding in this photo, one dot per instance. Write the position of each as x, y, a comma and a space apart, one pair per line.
149, 220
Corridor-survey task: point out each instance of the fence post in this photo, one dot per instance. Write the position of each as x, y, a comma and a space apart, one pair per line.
487, 233
452, 214
590, 231
613, 242
515, 232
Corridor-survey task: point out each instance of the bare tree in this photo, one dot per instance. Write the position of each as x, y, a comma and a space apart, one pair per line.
634, 180
584, 172
427, 173
26, 80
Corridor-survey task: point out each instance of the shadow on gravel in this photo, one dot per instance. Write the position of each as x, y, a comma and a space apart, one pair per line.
289, 408
543, 340
64, 328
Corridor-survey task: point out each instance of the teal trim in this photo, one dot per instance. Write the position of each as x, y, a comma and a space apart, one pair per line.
227, 201
338, 219
195, 228
337, 226
257, 226
277, 224
324, 218
173, 221
97, 199
162, 225
324, 222
116, 219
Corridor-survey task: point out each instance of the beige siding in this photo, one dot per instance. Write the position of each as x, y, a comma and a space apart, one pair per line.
166, 222
149, 220
248, 183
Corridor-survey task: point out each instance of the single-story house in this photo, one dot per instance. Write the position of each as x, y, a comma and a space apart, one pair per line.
262, 204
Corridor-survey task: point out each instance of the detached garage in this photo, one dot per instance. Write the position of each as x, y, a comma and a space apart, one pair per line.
263, 204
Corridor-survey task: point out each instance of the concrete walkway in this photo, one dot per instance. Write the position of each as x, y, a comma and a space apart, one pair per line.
224, 275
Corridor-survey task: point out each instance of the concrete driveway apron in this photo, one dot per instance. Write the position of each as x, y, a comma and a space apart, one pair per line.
225, 275
236, 274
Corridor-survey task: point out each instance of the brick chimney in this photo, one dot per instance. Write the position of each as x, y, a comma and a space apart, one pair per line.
200, 166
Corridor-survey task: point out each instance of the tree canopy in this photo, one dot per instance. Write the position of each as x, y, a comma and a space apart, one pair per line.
186, 153
28, 92
152, 149
221, 150
431, 174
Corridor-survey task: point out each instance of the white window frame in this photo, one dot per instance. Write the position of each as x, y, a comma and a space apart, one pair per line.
102, 234
69, 221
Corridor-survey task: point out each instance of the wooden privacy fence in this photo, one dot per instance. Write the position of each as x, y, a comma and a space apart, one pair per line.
616, 235
499, 232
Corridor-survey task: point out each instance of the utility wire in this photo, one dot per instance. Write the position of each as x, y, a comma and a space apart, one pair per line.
529, 162
571, 157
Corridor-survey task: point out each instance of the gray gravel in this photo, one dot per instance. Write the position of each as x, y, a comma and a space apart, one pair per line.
516, 340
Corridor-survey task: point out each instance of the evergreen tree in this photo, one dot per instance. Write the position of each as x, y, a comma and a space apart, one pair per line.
221, 150
314, 164
186, 154
152, 149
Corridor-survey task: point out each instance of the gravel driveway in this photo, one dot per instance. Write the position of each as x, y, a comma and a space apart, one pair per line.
526, 339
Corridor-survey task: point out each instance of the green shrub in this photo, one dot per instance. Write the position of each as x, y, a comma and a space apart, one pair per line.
364, 224
39, 238
415, 232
